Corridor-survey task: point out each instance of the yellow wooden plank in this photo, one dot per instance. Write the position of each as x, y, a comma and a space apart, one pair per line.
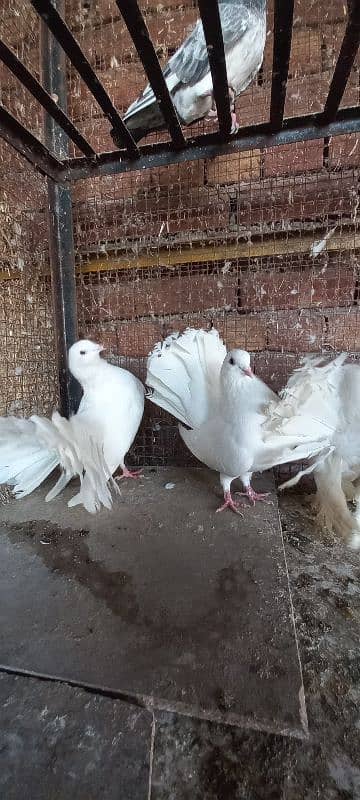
6, 275
200, 255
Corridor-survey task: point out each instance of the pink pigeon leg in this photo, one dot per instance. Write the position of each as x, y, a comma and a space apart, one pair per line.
230, 503
212, 113
127, 473
253, 496
235, 125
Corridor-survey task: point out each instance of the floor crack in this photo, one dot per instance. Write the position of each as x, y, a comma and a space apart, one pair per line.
152, 747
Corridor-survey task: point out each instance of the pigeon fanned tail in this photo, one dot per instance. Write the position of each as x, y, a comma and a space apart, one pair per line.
30, 449
323, 399
183, 373
91, 445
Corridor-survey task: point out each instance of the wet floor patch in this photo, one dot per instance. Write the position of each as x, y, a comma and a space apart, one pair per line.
160, 599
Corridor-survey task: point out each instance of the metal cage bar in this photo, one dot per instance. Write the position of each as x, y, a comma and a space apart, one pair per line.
208, 146
22, 140
63, 35
60, 225
347, 55
278, 130
283, 20
210, 17
139, 33
42, 96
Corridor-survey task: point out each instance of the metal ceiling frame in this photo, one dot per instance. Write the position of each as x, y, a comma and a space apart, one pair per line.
128, 155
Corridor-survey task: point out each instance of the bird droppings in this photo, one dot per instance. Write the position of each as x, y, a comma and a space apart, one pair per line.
169, 485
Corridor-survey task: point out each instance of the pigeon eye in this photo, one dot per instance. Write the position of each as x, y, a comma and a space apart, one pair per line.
231, 361
83, 352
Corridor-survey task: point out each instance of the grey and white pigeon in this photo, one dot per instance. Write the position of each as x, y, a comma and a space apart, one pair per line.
188, 76
92, 444
222, 407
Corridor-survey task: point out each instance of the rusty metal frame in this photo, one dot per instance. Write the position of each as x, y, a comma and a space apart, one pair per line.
60, 223
277, 131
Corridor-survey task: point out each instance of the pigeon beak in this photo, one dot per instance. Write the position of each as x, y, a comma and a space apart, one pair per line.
101, 348
249, 372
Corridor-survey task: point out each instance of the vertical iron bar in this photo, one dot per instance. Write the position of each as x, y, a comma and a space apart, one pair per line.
344, 64
210, 17
60, 224
283, 20
139, 33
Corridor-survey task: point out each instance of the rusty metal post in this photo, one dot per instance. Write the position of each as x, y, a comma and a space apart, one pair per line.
60, 222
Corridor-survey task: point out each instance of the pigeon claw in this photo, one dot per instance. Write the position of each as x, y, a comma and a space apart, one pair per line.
230, 503
212, 113
254, 496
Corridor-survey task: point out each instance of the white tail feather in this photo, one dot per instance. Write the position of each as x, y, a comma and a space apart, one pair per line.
323, 399
58, 488
30, 449
331, 505
309, 411
24, 460
183, 372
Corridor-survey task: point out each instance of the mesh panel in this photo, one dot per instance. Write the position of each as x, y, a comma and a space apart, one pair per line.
28, 371
20, 30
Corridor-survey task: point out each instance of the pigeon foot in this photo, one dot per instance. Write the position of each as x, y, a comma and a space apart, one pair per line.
128, 473
230, 503
254, 496
212, 114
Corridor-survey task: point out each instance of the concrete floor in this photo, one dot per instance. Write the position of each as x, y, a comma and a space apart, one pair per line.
172, 618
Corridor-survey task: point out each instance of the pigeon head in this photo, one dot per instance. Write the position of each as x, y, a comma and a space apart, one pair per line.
83, 356
238, 360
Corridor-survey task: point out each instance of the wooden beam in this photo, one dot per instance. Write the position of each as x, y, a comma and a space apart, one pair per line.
164, 259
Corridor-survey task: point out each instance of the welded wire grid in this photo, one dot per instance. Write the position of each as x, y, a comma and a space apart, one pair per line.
263, 245
28, 381
20, 30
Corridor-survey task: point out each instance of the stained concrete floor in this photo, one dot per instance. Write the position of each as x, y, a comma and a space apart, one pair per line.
62, 741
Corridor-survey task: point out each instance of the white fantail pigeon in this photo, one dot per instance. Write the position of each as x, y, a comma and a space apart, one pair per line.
221, 407
188, 76
329, 394
91, 444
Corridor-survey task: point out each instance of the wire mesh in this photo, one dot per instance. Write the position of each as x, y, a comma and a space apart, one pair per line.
28, 381
263, 245
20, 30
